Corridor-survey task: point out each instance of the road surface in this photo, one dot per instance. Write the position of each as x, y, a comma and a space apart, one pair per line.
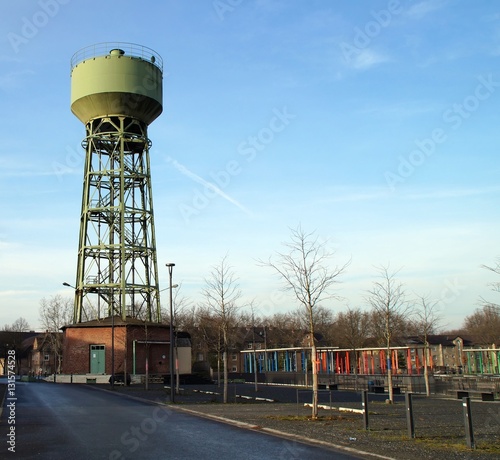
57, 421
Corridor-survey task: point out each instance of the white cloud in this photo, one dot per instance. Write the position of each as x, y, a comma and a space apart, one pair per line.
12, 80
367, 58
419, 10
207, 185
451, 193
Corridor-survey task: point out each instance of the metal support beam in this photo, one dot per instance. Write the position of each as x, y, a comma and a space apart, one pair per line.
117, 270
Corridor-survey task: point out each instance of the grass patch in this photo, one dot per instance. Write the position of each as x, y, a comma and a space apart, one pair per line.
440, 443
444, 443
457, 444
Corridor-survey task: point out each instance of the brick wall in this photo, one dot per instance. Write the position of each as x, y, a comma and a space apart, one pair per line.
77, 342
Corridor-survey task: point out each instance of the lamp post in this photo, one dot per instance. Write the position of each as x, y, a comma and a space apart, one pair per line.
170, 267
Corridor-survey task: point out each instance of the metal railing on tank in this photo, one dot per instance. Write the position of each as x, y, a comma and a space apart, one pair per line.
122, 48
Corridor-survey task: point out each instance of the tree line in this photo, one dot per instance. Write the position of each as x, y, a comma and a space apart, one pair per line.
309, 271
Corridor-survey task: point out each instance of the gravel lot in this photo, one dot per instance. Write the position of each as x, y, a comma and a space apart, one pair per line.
439, 422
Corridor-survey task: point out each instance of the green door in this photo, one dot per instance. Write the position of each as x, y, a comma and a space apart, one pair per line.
97, 359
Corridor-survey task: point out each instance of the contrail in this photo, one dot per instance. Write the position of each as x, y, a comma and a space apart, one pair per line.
183, 170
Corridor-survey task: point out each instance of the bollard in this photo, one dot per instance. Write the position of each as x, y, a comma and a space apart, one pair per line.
364, 404
469, 432
409, 416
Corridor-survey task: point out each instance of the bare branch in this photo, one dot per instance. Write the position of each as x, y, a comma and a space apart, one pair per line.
427, 318
222, 293
304, 270
388, 300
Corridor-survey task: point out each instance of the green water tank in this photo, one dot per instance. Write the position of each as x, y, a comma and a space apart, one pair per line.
110, 79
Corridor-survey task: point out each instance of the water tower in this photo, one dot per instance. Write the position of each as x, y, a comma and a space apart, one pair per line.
116, 91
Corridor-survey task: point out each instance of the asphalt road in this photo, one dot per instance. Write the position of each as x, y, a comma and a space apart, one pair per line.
73, 422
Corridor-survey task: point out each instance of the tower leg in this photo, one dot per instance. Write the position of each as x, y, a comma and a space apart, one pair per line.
117, 272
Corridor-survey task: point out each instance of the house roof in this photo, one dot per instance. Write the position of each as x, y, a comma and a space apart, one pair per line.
7, 337
10, 340
40, 339
249, 334
439, 339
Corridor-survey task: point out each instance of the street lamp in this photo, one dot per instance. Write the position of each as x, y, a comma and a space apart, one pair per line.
170, 267
173, 287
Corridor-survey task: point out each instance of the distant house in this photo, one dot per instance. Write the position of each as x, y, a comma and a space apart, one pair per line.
13, 342
446, 351
42, 354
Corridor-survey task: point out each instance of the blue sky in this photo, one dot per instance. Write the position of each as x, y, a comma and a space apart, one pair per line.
373, 123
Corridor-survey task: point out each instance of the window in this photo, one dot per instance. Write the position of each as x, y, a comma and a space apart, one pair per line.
235, 369
249, 345
46, 358
235, 357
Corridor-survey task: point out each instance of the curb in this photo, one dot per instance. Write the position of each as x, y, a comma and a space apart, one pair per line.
281, 434
249, 426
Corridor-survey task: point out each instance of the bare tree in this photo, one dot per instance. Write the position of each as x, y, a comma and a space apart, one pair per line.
495, 286
484, 325
19, 325
351, 327
221, 294
54, 314
13, 341
323, 318
253, 320
426, 323
283, 330
304, 270
388, 300
206, 336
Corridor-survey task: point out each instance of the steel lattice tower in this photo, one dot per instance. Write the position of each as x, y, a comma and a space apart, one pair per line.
116, 91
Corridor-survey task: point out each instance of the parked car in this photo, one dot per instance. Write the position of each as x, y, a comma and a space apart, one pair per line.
119, 379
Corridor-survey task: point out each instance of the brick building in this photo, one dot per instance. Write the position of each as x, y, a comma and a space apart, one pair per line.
42, 354
88, 347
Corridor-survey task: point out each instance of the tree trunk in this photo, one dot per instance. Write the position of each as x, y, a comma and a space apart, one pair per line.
426, 371
255, 368
224, 359
315, 382
355, 369
389, 374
